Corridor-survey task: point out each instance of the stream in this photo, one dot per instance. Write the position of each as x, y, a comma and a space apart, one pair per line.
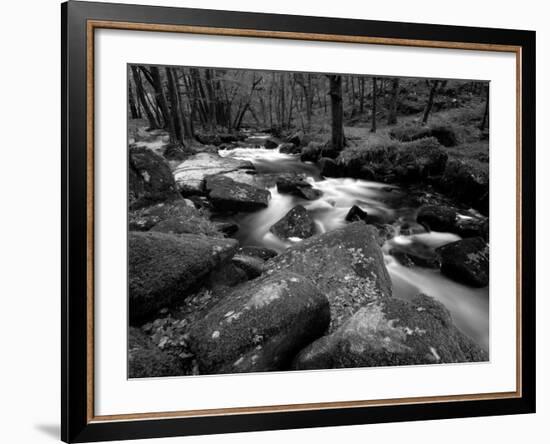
469, 307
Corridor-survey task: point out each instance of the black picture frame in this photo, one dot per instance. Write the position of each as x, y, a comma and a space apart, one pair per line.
76, 423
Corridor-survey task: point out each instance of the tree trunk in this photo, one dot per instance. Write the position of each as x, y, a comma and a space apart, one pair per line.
211, 99
308, 97
352, 97
200, 98
161, 100
186, 122
309, 102
134, 110
282, 101
430, 102
373, 122
392, 115
486, 111
176, 113
153, 124
337, 112
362, 95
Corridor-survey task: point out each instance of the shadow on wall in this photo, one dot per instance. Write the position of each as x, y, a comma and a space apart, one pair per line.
51, 430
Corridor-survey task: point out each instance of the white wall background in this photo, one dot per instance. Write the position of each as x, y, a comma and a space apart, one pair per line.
30, 221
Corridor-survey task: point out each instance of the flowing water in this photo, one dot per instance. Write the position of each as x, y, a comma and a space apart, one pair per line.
469, 306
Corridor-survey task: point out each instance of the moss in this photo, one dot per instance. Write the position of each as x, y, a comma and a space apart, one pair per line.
229, 195
145, 360
393, 332
150, 178
296, 223
260, 326
173, 217
346, 265
164, 267
466, 261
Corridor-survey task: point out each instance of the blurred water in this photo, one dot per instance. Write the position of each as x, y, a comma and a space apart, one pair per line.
469, 306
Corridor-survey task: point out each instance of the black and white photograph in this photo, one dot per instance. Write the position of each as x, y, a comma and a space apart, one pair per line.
284, 221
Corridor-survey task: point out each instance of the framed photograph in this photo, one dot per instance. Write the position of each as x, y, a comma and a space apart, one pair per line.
275, 221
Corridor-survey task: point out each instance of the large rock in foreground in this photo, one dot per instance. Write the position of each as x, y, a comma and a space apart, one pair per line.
260, 326
149, 178
466, 261
393, 332
163, 267
190, 175
346, 265
146, 218
146, 360
176, 217
296, 223
227, 195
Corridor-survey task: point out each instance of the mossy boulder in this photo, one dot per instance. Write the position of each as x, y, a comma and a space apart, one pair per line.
393, 332
415, 253
346, 264
356, 213
451, 220
315, 150
297, 223
174, 217
406, 162
419, 160
146, 218
190, 175
149, 178
330, 168
259, 252
253, 266
271, 143
176, 152
466, 261
445, 134
228, 195
467, 182
146, 360
260, 326
437, 218
297, 139
297, 185
289, 148
163, 268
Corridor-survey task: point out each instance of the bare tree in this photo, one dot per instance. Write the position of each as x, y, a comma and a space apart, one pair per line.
304, 81
434, 84
392, 114
373, 122
486, 111
337, 112
134, 108
141, 94
163, 104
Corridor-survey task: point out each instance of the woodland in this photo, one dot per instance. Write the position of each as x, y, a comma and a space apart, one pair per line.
283, 221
